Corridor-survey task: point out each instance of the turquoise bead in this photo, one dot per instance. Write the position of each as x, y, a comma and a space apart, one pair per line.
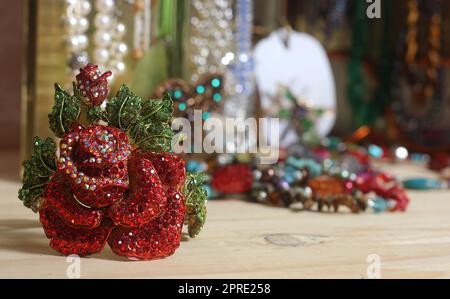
200, 89
314, 168
333, 143
193, 166
211, 193
379, 205
206, 115
375, 151
182, 106
418, 157
177, 94
422, 184
215, 83
289, 174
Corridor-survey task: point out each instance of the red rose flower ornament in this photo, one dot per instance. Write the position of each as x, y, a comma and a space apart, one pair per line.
107, 185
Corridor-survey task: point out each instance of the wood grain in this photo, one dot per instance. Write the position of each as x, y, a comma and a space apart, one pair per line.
246, 240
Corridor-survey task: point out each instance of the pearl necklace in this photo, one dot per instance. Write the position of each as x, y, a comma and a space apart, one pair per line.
109, 48
76, 25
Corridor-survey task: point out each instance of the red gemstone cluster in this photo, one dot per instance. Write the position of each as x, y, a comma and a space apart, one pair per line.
383, 185
105, 191
93, 84
235, 178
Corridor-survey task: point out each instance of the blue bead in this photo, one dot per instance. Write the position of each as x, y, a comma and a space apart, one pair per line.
200, 89
210, 191
314, 168
289, 174
215, 83
418, 157
422, 184
375, 151
217, 97
182, 106
177, 94
206, 115
379, 205
193, 166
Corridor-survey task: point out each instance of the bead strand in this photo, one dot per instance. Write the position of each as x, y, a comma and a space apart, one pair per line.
109, 49
76, 26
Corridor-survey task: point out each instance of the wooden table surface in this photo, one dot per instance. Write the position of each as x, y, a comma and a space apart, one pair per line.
245, 240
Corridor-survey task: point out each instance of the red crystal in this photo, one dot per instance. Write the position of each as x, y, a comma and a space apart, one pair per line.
236, 178
157, 239
383, 185
67, 239
93, 84
94, 160
146, 199
100, 185
171, 168
439, 161
63, 203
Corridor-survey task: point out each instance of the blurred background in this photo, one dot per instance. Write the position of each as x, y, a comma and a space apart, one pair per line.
384, 76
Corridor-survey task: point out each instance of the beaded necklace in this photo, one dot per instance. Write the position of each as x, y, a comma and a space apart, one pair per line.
419, 89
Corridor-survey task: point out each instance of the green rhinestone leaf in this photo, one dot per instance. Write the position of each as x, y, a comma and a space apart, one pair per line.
152, 137
152, 131
64, 113
123, 110
157, 110
195, 196
95, 114
37, 172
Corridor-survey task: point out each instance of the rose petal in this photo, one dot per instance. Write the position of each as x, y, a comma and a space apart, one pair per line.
170, 167
64, 204
70, 240
157, 239
100, 198
146, 199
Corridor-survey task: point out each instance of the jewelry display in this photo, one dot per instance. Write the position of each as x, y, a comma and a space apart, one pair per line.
300, 115
206, 95
419, 94
331, 178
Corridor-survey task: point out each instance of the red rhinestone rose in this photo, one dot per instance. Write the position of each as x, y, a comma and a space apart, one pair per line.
105, 191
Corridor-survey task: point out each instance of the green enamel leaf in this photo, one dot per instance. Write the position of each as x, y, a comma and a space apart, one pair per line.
196, 196
65, 112
123, 110
37, 171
